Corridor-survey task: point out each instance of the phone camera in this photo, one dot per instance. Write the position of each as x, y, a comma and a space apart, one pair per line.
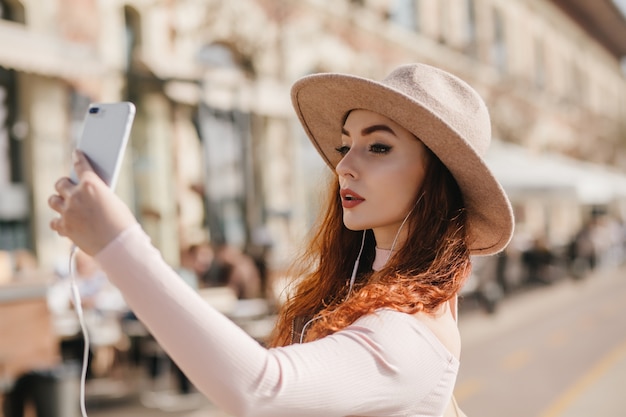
94, 110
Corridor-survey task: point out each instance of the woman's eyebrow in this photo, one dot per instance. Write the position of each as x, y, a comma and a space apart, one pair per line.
371, 129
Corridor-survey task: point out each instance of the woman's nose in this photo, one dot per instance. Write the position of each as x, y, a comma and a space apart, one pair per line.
347, 166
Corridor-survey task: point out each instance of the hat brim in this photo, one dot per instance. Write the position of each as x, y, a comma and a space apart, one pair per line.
322, 101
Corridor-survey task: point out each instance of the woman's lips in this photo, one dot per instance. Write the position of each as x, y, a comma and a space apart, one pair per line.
350, 199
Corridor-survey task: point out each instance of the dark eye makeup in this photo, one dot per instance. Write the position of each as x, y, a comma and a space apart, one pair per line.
379, 148
376, 148
342, 150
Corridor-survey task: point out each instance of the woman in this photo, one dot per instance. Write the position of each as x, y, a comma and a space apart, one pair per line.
376, 304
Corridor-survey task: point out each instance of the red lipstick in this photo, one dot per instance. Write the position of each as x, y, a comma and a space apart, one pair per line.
350, 199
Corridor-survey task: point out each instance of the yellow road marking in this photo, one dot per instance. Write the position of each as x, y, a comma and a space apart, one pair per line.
516, 360
558, 339
467, 389
576, 390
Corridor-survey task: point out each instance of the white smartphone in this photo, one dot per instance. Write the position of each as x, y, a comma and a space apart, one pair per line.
106, 130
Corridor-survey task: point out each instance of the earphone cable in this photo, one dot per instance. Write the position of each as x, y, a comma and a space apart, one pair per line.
76, 300
356, 265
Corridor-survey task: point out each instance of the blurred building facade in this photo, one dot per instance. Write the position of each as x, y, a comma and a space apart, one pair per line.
216, 152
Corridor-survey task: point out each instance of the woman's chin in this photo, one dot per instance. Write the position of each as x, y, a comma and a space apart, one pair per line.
355, 226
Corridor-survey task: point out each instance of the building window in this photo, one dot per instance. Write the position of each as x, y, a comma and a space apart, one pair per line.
10, 140
498, 51
223, 134
15, 196
12, 10
133, 35
405, 13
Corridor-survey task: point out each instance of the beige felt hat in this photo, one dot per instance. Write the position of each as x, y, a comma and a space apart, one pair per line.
444, 112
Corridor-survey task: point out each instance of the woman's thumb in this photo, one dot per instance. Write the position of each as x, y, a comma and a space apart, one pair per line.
81, 164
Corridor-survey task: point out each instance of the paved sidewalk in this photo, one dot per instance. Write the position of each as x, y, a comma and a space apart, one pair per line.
598, 392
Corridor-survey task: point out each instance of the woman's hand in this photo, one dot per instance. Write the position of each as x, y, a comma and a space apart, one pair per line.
91, 215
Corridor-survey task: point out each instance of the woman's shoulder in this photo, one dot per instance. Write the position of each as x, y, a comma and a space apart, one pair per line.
443, 325
429, 334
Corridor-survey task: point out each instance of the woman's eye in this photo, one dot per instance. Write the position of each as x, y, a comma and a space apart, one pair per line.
342, 150
380, 149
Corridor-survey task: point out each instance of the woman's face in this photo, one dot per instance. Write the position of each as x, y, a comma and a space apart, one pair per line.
380, 173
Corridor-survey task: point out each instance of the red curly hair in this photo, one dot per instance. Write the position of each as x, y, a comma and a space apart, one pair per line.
428, 270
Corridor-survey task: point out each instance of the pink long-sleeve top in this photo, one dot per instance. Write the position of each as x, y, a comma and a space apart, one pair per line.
384, 364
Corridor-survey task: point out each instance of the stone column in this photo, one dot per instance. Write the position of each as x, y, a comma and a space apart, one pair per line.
45, 106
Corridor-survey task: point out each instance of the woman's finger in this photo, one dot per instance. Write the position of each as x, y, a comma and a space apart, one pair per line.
64, 186
56, 203
56, 224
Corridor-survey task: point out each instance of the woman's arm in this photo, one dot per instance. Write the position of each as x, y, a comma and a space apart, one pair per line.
380, 365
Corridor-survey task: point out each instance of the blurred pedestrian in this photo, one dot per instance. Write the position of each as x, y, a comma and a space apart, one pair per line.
582, 251
200, 258
538, 260
234, 269
376, 299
